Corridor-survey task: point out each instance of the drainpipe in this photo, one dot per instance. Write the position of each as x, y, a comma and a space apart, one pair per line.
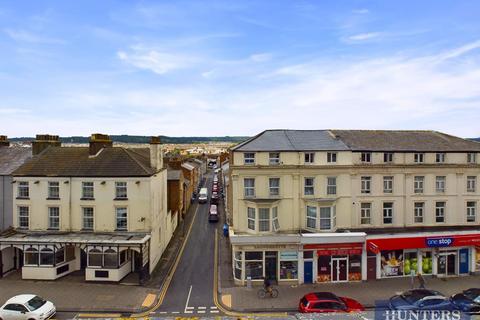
70, 204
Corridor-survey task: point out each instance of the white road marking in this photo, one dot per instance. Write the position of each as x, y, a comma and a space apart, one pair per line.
214, 311
188, 299
175, 312
201, 311
190, 308
163, 312
213, 308
202, 308
188, 311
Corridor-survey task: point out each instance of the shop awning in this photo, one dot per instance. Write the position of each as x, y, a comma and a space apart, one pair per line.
399, 242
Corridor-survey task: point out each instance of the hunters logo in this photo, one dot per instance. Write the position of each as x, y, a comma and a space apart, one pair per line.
420, 315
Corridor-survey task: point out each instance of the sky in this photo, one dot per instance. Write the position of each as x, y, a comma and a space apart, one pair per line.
215, 68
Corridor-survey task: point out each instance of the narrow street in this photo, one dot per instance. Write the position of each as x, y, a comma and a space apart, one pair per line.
191, 290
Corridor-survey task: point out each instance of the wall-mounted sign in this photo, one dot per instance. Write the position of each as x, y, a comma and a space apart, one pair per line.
439, 242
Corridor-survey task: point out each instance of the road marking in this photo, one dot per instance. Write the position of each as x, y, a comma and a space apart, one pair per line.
188, 298
163, 312
149, 300
190, 307
201, 311
214, 311
213, 308
99, 315
175, 312
188, 311
202, 308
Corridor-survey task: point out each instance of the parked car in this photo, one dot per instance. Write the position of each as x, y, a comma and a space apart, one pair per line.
214, 198
323, 302
468, 301
420, 299
28, 307
213, 214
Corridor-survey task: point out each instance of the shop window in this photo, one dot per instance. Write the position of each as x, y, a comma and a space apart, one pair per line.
31, 257
288, 265
46, 257
427, 262
324, 269
308, 255
410, 263
311, 217
237, 261
110, 259
70, 253
254, 265
95, 258
123, 257
392, 263
60, 255
355, 268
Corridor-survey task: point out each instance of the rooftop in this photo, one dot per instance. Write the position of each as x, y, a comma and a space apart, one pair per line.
13, 157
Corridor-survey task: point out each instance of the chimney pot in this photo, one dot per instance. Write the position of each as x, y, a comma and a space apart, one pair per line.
43, 141
155, 140
156, 153
97, 142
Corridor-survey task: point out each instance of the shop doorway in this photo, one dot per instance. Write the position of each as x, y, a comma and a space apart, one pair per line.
447, 263
271, 265
464, 261
339, 269
308, 272
372, 267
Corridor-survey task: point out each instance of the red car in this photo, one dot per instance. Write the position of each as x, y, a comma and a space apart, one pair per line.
326, 302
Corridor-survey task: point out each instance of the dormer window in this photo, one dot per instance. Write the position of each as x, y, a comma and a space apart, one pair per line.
388, 157
309, 157
331, 157
249, 158
274, 158
419, 157
471, 157
440, 157
366, 157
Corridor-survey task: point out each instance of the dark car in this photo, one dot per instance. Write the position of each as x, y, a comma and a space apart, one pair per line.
421, 299
213, 214
468, 301
214, 198
327, 302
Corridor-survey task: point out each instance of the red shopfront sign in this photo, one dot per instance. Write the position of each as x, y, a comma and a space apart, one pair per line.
336, 249
377, 245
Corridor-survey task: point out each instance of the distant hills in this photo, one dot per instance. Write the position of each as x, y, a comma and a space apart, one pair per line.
146, 139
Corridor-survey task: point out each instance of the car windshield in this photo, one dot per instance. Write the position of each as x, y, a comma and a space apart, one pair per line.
473, 295
35, 303
413, 296
304, 302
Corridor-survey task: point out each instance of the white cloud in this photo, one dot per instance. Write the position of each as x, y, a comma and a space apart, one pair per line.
261, 57
361, 11
26, 36
364, 36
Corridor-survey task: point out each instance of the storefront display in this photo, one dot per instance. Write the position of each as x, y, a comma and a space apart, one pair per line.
410, 263
392, 263
427, 262
288, 265
355, 268
254, 265
477, 260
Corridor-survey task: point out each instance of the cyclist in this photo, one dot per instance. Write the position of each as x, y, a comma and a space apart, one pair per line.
267, 285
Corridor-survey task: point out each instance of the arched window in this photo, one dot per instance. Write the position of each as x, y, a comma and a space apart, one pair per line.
110, 258
95, 258
46, 257
31, 257
60, 255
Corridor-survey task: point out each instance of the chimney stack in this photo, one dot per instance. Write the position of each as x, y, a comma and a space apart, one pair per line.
97, 142
156, 153
43, 141
4, 141
173, 162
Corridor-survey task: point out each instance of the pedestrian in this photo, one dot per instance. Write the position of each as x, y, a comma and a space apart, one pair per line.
421, 280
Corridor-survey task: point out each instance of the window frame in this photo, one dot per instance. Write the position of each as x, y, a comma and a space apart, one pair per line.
440, 184
330, 218
311, 218
471, 183
419, 157
249, 160
440, 209
121, 186
309, 157
388, 157
262, 221
251, 219
387, 212
332, 157
118, 226
53, 218
331, 188
84, 218
275, 221
271, 188
440, 157
388, 184
471, 157
366, 157
366, 181
363, 213
22, 215
309, 186
418, 184
418, 212
89, 186
471, 209
52, 185
274, 161
23, 190
247, 189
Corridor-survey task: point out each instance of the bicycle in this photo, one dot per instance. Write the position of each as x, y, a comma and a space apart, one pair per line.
263, 292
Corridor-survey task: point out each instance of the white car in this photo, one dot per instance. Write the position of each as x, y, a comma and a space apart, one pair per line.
27, 307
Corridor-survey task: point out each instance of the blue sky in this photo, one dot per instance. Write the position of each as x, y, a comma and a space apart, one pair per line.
201, 68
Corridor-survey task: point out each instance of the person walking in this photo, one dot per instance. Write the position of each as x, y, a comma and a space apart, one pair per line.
421, 280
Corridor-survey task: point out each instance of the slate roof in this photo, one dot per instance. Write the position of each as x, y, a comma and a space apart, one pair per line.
292, 140
173, 174
357, 140
404, 141
76, 162
13, 157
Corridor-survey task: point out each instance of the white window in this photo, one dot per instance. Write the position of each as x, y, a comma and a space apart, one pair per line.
366, 183
440, 157
418, 157
365, 213
249, 158
263, 219
440, 211
309, 186
274, 186
87, 218
418, 184
419, 208
88, 190
54, 218
325, 218
471, 211
121, 190
388, 212
23, 189
471, 157
366, 157
274, 158
275, 223
471, 183
249, 187
53, 190
309, 157
388, 184
331, 157
311, 217
388, 157
121, 215
251, 218
331, 185
440, 184
23, 217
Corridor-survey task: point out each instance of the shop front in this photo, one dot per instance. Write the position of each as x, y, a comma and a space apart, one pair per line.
438, 254
334, 257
